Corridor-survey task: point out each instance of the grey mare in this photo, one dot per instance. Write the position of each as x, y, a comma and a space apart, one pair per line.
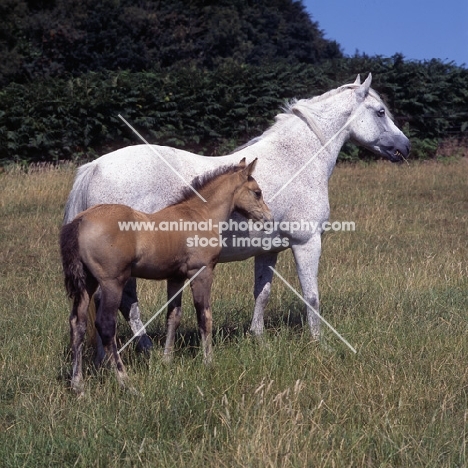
308, 135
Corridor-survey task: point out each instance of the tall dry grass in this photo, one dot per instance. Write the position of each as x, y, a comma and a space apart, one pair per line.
396, 288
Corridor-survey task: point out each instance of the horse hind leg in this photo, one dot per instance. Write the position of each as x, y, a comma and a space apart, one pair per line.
106, 324
131, 312
262, 289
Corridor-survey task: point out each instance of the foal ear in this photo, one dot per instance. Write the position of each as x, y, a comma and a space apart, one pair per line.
251, 167
363, 89
358, 80
242, 163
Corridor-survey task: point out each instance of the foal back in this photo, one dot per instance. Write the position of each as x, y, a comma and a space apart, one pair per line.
116, 240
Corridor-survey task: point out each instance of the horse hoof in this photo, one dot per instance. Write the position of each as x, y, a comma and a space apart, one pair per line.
78, 388
144, 344
168, 358
327, 348
257, 330
208, 361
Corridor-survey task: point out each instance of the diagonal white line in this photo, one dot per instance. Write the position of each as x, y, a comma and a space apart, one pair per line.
160, 157
161, 309
313, 310
351, 118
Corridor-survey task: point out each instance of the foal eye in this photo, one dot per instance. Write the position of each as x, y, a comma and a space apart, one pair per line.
258, 194
381, 112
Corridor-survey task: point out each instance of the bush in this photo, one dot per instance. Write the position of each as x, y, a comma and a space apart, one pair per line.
212, 112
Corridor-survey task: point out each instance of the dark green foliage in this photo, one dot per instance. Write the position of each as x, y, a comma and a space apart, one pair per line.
200, 75
68, 37
212, 112
207, 112
431, 96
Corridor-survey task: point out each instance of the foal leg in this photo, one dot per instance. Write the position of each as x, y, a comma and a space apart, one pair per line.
131, 312
263, 279
106, 324
100, 354
78, 318
174, 315
201, 291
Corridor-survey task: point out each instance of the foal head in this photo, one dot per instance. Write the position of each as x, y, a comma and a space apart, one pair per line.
248, 198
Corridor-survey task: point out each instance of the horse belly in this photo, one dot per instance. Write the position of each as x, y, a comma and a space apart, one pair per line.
241, 246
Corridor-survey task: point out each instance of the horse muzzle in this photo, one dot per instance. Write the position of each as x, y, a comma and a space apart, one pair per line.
396, 148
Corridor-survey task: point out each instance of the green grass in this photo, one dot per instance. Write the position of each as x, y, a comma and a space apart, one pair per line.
396, 289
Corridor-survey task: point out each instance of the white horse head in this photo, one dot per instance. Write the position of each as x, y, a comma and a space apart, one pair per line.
372, 126
353, 112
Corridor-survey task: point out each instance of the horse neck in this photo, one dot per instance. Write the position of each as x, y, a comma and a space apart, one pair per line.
314, 139
323, 128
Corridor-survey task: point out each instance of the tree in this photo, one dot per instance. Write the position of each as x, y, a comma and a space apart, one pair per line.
63, 37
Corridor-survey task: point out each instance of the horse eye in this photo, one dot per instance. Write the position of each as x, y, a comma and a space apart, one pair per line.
258, 194
381, 112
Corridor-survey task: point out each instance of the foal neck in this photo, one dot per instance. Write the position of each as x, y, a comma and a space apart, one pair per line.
219, 195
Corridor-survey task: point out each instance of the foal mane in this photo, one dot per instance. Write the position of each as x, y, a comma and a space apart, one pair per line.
201, 181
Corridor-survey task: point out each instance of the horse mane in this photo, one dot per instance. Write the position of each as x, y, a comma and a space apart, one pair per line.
288, 110
201, 181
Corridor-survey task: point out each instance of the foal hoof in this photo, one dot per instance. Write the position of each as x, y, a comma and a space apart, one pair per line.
78, 388
133, 391
99, 358
144, 344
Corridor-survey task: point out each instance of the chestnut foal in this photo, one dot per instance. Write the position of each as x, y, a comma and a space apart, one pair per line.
99, 249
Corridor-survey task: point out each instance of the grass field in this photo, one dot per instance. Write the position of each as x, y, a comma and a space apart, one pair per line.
396, 289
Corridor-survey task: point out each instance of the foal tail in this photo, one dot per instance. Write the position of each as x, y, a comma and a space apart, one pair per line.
73, 267
75, 273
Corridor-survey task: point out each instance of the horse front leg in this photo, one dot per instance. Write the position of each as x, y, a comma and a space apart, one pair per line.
174, 315
307, 258
262, 289
201, 291
131, 312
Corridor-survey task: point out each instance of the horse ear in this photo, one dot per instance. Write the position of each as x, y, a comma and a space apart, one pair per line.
363, 89
251, 166
358, 80
242, 163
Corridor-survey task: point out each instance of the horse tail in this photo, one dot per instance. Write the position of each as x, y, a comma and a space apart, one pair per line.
78, 198
73, 267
